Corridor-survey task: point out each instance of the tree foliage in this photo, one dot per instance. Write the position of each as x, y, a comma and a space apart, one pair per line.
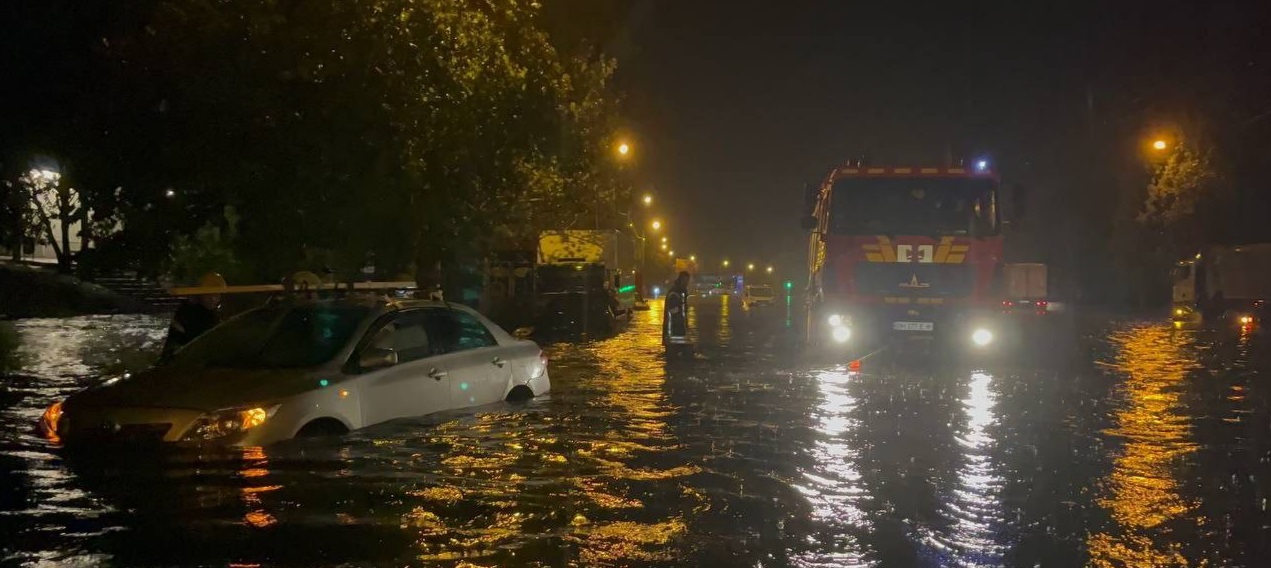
419, 131
1179, 183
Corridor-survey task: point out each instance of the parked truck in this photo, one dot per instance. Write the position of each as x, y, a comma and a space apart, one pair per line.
905, 252
1027, 289
584, 280
1223, 285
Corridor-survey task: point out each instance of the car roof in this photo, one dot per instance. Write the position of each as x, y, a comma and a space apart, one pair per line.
383, 304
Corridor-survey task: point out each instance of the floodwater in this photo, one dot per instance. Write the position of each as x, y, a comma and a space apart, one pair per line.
1127, 444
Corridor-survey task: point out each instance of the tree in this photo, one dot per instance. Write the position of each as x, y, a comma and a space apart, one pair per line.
1180, 183
55, 210
419, 131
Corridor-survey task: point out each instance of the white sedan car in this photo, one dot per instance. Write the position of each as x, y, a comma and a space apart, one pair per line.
298, 369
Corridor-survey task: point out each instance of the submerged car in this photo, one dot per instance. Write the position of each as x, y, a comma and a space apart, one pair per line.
308, 368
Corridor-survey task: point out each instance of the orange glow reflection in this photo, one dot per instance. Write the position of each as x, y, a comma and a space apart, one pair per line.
1141, 493
254, 462
603, 473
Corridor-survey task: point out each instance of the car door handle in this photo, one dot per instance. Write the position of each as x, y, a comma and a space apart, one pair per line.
497, 362
437, 374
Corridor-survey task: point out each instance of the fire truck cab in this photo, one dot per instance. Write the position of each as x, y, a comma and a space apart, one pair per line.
904, 252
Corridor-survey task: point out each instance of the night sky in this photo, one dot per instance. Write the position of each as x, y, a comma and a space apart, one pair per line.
734, 106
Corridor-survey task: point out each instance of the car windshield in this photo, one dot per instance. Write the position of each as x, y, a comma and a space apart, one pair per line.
276, 337
914, 206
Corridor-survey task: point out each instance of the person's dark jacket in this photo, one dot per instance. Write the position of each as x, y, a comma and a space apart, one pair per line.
191, 320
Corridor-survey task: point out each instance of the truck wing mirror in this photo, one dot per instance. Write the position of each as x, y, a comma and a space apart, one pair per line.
809, 223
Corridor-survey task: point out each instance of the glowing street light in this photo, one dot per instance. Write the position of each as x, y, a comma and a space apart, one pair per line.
769, 270
657, 225
663, 246
725, 263
1160, 144
750, 266
624, 149
648, 199
692, 258
670, 253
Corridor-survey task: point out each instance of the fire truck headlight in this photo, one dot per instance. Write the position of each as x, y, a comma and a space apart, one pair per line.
842, 334
835, 320
981, 337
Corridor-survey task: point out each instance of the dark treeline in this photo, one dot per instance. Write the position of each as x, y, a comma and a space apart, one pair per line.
258, 138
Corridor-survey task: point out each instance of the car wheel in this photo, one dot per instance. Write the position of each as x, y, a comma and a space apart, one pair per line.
322, 428
520, 393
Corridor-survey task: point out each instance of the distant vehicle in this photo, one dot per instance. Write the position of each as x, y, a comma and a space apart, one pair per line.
905, 252
758, 296
1026, 289
307, 368
1223, 284
585, 281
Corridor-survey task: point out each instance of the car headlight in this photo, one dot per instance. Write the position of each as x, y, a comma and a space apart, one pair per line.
228, 422
842, 334
1246, 319
835, 320
982, 337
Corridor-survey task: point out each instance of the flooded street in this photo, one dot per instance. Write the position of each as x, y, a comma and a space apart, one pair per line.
1131, 445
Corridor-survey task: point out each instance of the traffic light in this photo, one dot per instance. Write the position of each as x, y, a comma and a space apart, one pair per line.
789, 284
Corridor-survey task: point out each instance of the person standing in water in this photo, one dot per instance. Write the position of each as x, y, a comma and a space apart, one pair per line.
675, 312
194, 317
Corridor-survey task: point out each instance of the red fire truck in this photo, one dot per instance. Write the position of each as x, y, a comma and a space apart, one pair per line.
905, 252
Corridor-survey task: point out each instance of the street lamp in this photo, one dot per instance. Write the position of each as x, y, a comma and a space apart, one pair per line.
1160, 144
663, 246
670, 253
769, 270
725, 263
750, 266
663, 239
692, 258
657, 225
624, 149
648, 199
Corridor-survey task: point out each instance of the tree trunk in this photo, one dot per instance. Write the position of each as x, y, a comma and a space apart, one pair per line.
64, 259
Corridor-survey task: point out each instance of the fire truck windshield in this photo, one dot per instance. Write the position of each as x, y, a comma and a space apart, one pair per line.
914, 206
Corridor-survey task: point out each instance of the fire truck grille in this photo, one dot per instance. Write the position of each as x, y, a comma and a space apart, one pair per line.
914, 279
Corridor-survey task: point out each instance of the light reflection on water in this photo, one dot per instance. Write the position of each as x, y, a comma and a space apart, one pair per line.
1142, 493
832, 484
975, 506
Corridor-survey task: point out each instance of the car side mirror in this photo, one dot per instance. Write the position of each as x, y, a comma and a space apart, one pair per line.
809, 223
374, 358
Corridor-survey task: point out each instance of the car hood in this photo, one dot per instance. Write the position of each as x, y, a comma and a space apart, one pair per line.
196, 388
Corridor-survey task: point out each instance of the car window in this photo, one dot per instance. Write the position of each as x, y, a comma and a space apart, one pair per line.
406, 334
283, 336
456, 330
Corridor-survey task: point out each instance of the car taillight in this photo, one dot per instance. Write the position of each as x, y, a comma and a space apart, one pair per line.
1042, 303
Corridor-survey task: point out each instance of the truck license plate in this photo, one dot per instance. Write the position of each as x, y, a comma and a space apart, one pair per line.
913, 326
